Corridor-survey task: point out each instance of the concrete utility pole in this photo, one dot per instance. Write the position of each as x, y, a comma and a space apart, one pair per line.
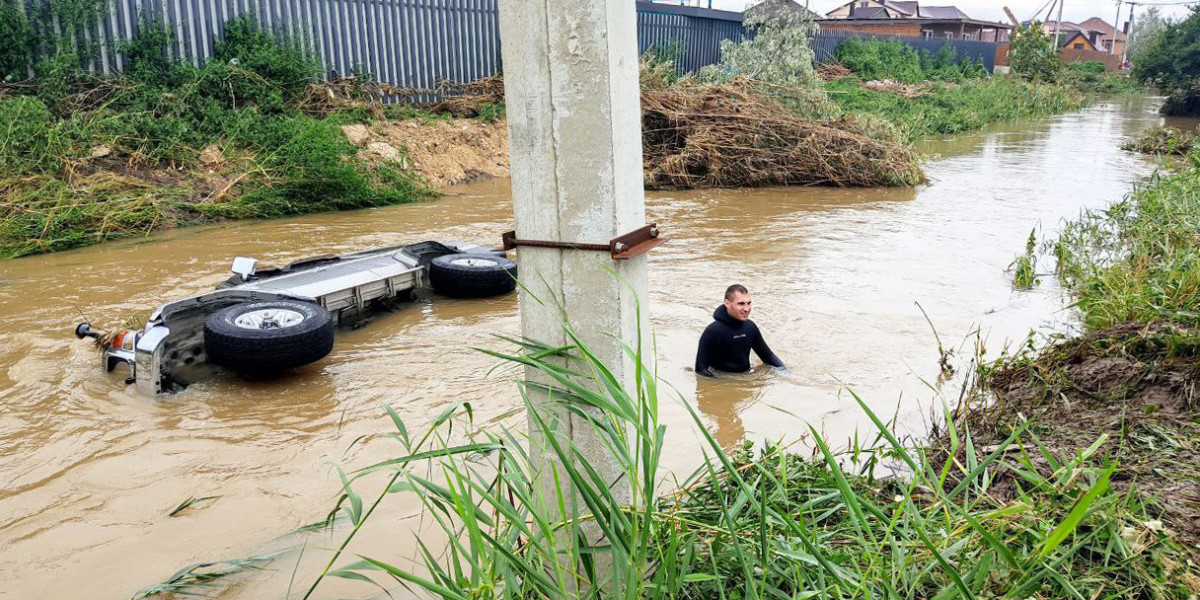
1116, 21
1125, 50
574, 123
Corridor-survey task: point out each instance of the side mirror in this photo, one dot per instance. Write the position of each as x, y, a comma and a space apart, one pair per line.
244, 267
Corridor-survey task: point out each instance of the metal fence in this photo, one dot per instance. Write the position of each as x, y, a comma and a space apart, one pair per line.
826, 41
417, 43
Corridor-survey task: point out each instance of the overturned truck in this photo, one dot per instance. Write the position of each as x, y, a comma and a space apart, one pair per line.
261, 322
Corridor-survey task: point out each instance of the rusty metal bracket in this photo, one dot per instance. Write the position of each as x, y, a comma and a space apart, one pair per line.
625, 247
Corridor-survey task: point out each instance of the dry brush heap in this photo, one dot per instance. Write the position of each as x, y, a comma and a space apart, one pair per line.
736, 134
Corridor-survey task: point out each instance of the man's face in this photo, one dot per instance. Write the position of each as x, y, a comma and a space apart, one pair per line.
738, 306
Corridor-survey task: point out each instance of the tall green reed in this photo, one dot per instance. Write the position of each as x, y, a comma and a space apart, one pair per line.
1011, 520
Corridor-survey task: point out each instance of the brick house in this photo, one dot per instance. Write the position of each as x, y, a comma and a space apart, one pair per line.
909, 18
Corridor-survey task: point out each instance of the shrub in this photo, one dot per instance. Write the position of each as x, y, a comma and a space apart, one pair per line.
777, 52
891, 59
27, 124
1086, 67
16, 40
1033, 55
252, 66
147, 59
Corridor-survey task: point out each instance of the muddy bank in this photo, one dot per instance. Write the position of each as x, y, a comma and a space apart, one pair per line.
1126, 393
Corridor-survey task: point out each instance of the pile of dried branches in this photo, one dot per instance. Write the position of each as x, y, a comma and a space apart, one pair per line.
832, 71
734, 135
465, 100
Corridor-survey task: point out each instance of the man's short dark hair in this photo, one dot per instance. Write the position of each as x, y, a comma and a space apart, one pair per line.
736, 288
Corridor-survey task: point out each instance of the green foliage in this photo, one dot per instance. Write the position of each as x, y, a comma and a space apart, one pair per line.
946, 108
1148, 25
147, 57
162, 114
1025, 266
16, 39
1032, 54
1162, 140
1171, 62
892, 59
1016, 519
1138, 260
1183, 101
25, 135
252, 66
1086, 67
776, 52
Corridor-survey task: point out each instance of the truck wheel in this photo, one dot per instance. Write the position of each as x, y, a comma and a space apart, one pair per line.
261, 338
472, 275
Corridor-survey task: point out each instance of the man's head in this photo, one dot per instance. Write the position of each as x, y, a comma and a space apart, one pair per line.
737, 302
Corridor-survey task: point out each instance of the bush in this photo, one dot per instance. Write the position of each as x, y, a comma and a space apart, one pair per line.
1033, 55
876, 59
777, 52
891, 59
251, 66
1086, 67
16, 40
1171, 61
27, 124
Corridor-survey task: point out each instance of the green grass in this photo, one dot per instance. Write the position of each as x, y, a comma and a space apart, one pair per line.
1014, 520
955, 108
1138, 259
85, 159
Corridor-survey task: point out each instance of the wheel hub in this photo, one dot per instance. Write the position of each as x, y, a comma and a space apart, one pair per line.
269, 318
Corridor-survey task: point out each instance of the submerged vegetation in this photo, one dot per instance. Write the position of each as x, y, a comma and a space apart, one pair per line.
1162, 141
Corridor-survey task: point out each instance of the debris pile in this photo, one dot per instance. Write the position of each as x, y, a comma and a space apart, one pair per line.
734, 135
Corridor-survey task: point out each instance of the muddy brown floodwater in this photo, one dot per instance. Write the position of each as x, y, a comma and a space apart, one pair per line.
90, 470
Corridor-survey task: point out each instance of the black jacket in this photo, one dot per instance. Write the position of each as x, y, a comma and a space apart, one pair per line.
726, 344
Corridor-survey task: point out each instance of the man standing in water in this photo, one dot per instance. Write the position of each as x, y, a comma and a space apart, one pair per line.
726, 343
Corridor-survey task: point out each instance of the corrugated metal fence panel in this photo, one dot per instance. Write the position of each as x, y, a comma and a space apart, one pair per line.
405, 43
825, 43
695, 41
415, 44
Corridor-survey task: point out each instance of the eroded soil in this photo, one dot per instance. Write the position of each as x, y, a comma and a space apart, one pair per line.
1133, 384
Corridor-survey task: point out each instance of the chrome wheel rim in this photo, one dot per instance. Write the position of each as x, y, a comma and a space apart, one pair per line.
472, 262
269, 318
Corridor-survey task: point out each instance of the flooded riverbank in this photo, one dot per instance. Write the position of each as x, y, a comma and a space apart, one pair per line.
91, 470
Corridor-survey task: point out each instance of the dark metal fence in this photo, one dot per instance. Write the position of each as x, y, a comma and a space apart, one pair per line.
417, 43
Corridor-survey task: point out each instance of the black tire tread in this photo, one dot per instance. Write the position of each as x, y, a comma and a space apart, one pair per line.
457, 281
269, 351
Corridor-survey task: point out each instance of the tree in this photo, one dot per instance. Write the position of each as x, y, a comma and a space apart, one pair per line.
775, 51
1033, 55
1145, 28
1171, 62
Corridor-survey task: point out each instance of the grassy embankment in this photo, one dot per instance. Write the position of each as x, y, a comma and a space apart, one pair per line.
83, 160
1014, 517
1125, 389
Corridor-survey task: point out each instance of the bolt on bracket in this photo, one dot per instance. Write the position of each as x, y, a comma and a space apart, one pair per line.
624, 247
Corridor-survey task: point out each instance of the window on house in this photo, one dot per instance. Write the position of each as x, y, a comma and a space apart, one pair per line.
1078, 46
926, 34
949, 35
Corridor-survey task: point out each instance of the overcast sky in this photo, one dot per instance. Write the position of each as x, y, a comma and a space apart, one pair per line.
1073, 10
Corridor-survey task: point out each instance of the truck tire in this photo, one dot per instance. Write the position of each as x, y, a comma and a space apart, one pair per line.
261, 338
472, 275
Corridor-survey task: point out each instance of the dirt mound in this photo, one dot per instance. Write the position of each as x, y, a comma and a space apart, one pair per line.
1134, 385
445, 152
733, 135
